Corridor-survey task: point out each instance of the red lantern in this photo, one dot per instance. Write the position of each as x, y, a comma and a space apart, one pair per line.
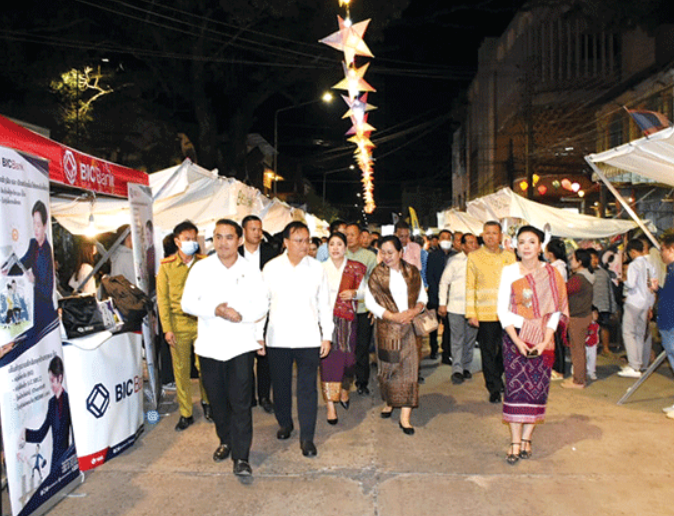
542, 189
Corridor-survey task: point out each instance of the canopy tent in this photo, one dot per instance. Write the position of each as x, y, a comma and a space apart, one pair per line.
651, 157
459, 221
186, 191
505, 203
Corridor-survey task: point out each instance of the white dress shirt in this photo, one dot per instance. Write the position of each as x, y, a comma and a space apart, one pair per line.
253, 258
398, 288
208, 285
452, 289
300, 314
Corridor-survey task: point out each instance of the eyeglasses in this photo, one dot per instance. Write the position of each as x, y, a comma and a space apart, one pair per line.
300, 240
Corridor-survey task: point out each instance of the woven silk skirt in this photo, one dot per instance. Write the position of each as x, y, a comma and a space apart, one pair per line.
527, 384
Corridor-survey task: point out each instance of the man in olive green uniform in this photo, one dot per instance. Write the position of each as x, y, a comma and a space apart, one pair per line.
180, 329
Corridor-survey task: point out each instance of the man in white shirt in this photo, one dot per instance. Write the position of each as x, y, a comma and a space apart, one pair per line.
258, 252
639, 300
452, 303
228, 296
299, 331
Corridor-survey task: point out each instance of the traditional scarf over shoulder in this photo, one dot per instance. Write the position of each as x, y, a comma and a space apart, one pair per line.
536, 297
353, 274
379, 285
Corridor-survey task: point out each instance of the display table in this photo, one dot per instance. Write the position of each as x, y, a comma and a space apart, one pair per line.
104, 374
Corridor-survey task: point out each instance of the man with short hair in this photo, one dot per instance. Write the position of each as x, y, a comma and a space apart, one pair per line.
456, 242
258, 252
637, 309
299, 332
483, 276
180, 328
336, 226
437, 260
355, 252
228, 296
452, 299
603, 300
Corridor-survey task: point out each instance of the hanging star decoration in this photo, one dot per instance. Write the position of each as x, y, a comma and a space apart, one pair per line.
349, 40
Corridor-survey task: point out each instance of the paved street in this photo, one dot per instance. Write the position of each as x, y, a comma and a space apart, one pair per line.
591, 457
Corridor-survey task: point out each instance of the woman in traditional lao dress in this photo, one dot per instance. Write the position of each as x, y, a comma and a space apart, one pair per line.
531, 303
395, 295
345, 279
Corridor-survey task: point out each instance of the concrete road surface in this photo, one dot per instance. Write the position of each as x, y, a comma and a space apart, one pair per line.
591, 457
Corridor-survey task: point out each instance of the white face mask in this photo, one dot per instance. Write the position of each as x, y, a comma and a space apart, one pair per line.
189, 247
445, 245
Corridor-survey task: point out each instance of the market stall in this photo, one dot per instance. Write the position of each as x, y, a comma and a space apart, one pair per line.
33, 168
506, 204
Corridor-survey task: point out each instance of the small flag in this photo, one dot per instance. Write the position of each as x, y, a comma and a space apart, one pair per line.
414, 221
649, 121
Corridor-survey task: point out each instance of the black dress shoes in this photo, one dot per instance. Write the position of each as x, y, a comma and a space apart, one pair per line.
457, 378
407, 430
421, 380
333, 421
242, 468
183, 423
495, 397
363, 390
308, 449
284, 432
467, 375
345, 404
267, 405
208, 412
385, 415
433, 356
447, 361
221, 453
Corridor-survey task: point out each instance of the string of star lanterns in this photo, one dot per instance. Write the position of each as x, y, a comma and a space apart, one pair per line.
349, 40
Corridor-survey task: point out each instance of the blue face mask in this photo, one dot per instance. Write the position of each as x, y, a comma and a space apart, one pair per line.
189, 247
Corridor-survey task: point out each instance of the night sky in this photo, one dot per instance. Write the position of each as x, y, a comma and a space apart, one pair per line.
421, 68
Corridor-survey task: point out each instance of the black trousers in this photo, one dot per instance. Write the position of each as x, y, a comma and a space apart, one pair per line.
363, 339
490, 338
228, 385
307, 360
446, 342
263, 376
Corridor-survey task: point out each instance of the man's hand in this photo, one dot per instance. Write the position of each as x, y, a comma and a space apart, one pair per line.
442, 311
227, 313
326, 345
170, 338
474, 322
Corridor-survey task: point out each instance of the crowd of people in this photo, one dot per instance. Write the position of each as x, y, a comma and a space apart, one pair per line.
327, 305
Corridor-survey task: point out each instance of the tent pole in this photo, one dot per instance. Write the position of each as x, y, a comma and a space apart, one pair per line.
623, 202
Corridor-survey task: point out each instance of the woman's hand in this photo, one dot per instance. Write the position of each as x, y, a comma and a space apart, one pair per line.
325, 348
348, 295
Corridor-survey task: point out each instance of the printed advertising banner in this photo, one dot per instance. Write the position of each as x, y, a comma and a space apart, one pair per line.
35, 410
142, 236
106, 393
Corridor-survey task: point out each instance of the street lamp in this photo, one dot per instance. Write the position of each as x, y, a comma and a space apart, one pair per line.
326, 97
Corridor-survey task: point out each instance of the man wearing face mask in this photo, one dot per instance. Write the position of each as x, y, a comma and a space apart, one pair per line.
437, 260
180, 329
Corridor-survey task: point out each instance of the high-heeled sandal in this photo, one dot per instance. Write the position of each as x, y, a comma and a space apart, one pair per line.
512, 457
525, 454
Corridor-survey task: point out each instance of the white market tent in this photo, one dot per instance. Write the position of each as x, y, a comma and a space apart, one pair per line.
186, 191
651, 157
459, 221
563, 223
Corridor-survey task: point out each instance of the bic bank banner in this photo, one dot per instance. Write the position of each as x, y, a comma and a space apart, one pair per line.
106, 392
37, 427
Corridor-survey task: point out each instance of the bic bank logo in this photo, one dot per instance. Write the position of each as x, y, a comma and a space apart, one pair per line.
98, 400
70, 166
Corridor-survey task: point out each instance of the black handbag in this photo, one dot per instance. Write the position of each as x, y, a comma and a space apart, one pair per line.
131, 302
81, 316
